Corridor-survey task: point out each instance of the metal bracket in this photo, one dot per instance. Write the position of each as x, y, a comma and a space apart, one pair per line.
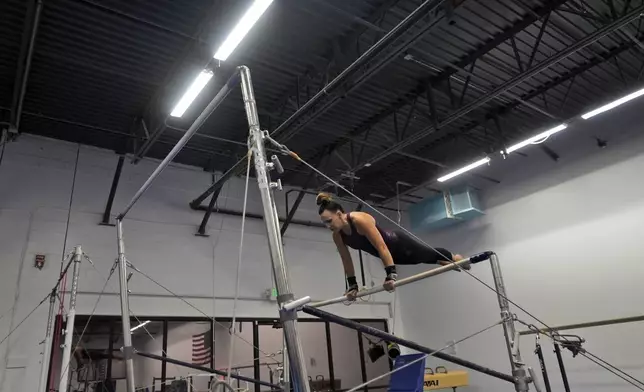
277, 184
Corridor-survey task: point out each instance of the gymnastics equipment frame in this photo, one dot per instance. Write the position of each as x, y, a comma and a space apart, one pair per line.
69, 326
242, 77
519, 377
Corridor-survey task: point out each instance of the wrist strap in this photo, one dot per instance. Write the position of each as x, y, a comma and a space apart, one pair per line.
352, 281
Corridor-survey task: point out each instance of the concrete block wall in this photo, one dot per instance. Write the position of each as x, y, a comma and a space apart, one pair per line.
36, 181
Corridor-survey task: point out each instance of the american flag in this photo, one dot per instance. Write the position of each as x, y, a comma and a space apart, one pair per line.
202, 348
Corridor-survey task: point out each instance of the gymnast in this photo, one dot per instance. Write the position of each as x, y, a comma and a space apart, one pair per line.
358, 230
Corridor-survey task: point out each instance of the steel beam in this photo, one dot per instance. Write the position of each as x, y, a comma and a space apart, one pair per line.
110, 197
450, 71
515, 81
291, 212
153, 109
24, 62
287, 129
500, 111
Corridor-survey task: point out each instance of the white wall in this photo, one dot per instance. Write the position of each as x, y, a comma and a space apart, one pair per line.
569, 238
36, 178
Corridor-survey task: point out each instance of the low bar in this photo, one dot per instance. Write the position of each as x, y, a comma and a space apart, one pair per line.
432, 272
206, 369
216, 101
588, 324
403, 342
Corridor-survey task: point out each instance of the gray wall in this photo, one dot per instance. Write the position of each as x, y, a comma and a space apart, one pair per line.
35, 186
569, 238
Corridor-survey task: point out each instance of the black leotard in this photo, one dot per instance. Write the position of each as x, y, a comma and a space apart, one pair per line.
404, 248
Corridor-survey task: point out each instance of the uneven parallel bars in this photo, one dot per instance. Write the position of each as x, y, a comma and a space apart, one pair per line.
216, 101
206, 369
433, 272
403, 342
589, 324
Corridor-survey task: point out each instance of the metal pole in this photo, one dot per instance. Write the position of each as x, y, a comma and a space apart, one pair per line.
216, 101
285, 382
521, 378
562, 367
46, 351
414, 278
256, 141
19, 96
69, 328
128, 353
542, 365
589, 324
387, 337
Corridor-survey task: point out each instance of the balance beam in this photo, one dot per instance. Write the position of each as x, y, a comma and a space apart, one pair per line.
432, 272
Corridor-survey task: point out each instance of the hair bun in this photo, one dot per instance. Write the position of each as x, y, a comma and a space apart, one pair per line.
323, 198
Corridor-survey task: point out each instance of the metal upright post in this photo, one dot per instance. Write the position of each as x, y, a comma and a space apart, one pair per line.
69, 329
285, 382
562, 368
46, 351
128, 351
289, 324
519, 371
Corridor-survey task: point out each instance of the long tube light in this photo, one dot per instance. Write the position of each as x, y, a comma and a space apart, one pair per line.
613, 104
242, 28
536, 138
193, 91
140, 325
464, 169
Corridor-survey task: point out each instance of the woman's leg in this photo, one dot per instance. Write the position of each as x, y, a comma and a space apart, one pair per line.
411, 251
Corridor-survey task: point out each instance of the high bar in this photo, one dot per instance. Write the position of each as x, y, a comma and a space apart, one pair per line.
216, 101
206, 369
403, 342
432, 272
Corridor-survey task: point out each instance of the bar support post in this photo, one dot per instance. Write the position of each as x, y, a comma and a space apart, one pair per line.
519, 370
46, 351
299, 376
69, 327
128, 351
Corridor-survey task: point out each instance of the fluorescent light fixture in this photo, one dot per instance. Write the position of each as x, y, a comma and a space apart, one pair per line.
242, 28
613, 104
139, 326
464, 169
537, 138
190, 95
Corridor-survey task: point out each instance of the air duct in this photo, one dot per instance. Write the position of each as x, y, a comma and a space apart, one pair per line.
446, 209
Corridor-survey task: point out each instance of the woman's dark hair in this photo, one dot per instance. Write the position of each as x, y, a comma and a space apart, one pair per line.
326, 203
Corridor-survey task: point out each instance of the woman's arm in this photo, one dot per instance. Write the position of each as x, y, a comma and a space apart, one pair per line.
345, 255
366, 226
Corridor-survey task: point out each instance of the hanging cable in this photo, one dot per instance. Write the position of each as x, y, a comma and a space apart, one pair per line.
294, 155
239, 264
574, 342
180, 298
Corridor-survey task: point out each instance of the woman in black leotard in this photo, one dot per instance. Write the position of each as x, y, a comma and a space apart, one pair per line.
358, 230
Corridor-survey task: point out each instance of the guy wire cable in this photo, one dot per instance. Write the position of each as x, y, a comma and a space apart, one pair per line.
36, 308
131, 311
239, 264
451, 344
555, 338
294, 155
198, 310
90, 317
